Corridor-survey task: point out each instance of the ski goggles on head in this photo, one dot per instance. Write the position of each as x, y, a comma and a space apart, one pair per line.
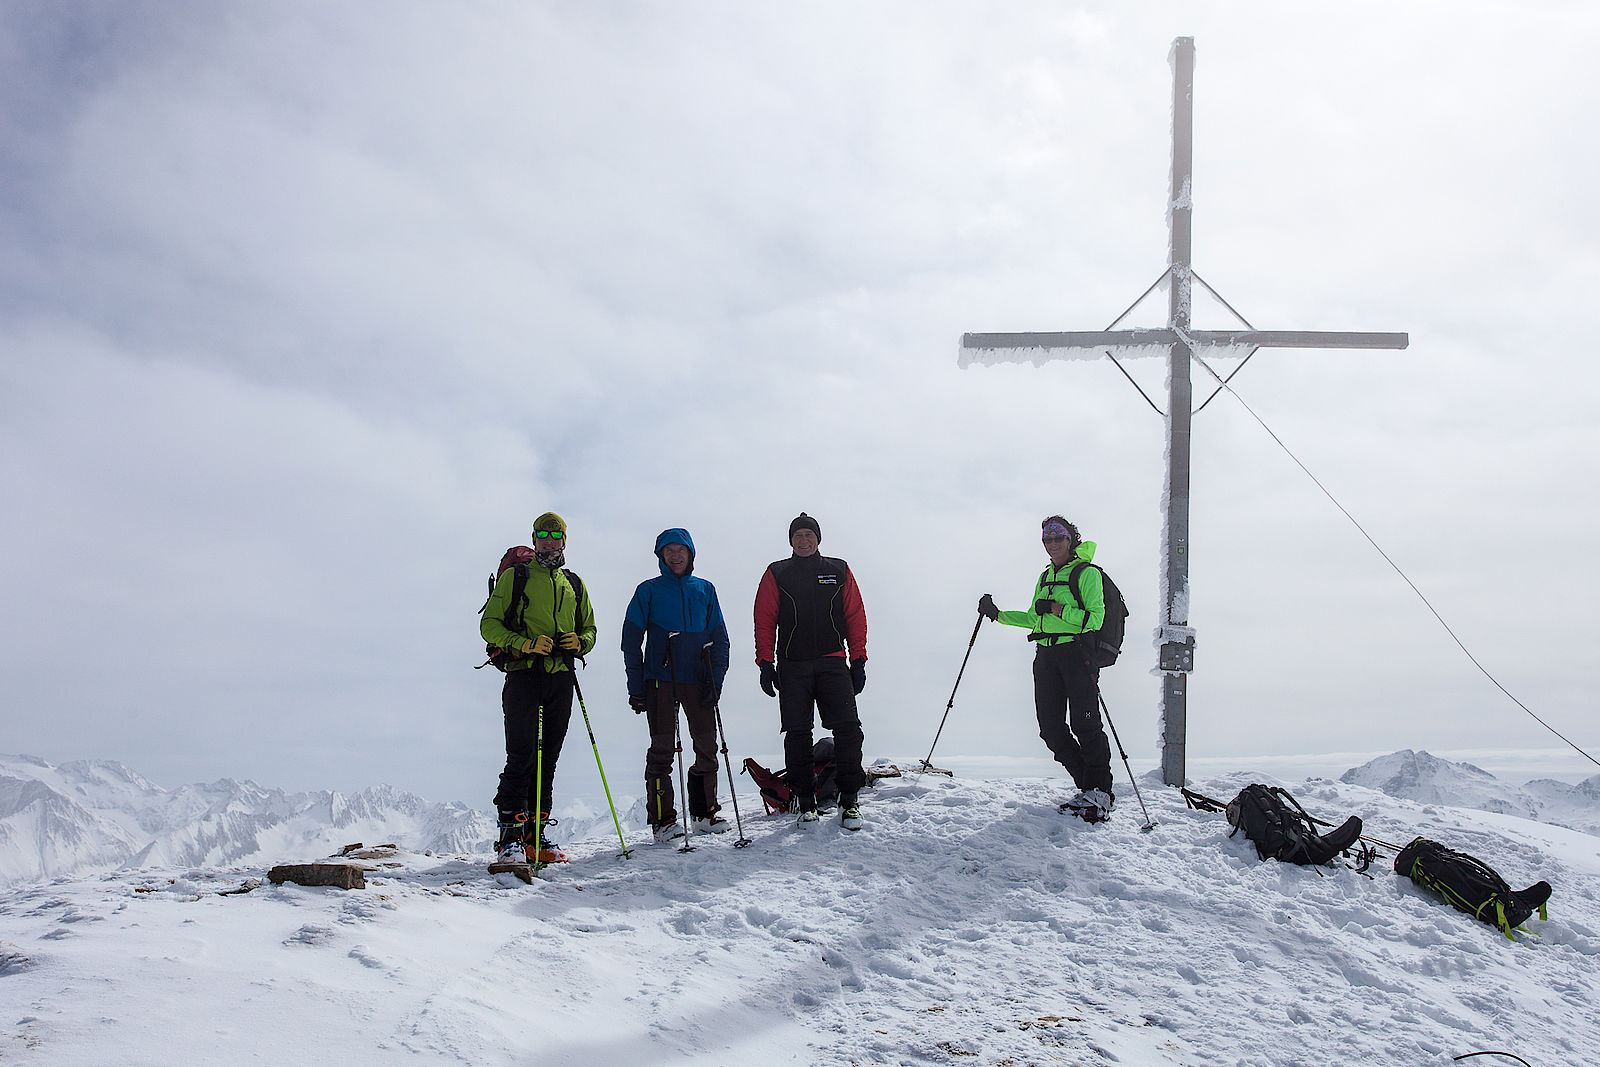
554, 535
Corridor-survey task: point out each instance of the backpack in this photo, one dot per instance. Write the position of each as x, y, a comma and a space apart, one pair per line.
774, 788
518, 558
1106, 644
1280, 828
1470, 885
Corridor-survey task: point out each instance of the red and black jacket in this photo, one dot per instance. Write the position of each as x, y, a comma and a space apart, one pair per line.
808, 607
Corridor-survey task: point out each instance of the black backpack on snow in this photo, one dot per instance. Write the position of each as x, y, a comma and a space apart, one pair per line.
1470, 885
1102, 646
1280, 828
517, 559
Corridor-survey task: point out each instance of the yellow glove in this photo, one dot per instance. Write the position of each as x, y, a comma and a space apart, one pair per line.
539, 646
571, 643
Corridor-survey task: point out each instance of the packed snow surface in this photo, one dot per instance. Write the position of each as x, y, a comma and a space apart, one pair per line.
969, 923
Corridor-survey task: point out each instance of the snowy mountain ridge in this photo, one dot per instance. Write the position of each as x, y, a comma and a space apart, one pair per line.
99, 814
1426, 778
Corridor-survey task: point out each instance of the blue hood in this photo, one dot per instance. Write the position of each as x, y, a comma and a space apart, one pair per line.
675, 536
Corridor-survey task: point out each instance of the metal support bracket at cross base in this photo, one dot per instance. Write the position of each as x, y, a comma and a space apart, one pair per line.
1178, 343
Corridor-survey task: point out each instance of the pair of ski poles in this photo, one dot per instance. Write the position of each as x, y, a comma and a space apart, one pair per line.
927, 764
677, 748
683, 787
538, 775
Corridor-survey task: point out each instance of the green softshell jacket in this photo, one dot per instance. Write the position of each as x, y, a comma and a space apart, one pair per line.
553, 609
1075, 618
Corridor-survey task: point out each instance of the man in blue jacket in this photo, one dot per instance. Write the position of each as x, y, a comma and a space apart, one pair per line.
677, 620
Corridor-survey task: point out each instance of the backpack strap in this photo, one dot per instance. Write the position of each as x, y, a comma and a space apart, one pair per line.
577, 587
519, 598
1072, 584
1076, 589
577, 615
1047, 582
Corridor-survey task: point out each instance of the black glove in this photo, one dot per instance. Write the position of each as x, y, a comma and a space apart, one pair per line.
858, 675
636, 702
769, 677
987, 609
1046, 607
709, 698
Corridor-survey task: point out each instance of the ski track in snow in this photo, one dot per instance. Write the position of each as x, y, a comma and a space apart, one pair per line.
969, 923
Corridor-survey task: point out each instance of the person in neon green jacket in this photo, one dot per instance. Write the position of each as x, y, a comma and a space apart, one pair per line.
1066, 684
553, 624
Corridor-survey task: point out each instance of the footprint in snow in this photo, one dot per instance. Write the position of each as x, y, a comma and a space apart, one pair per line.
310, 934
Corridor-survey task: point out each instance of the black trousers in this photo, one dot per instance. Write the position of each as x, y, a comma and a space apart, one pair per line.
521, 698
662, 700
822, 685
1066, 698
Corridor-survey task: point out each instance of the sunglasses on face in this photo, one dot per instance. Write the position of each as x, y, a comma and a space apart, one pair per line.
1054, 539
554, 535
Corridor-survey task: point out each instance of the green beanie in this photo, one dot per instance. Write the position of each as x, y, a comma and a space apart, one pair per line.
550, 522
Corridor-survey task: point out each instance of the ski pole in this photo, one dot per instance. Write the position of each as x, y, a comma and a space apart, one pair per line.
927, 763
626, 853
677, 742
1149, 823
732, 792
683, 783
538, 791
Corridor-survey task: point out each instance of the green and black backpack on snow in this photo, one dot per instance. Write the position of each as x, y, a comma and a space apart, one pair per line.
1470, 885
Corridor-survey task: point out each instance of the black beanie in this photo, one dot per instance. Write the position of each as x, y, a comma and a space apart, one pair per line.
803, 521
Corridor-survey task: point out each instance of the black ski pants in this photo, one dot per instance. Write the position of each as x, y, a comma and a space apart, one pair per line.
662, 700
523, 695
822, 685
1066, 698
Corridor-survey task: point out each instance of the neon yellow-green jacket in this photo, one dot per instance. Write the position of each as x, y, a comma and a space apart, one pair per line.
553, 608
1075, 618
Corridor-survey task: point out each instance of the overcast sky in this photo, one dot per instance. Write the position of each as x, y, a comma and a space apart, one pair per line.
307, 310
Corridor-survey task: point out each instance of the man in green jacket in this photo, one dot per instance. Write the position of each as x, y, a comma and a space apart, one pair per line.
1066, 684
551, 625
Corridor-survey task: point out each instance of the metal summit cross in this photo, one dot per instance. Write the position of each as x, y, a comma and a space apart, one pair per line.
1178, 343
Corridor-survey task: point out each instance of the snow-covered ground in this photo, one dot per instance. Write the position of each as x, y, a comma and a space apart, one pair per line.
968, 923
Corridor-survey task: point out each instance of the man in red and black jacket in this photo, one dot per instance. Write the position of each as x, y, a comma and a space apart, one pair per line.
811, 646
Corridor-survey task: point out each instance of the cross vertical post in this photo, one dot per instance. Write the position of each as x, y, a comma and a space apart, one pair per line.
1180, 398
1180, 343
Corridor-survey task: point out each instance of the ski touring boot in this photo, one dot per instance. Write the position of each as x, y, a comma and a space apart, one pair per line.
668, 833
1092, 805
711, 824
549, 851
804, 809
849, 813
511, 854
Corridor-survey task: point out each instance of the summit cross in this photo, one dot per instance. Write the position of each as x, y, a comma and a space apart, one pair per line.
1178, 343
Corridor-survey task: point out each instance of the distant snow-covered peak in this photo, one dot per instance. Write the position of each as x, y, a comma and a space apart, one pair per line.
1428, 779
100, 814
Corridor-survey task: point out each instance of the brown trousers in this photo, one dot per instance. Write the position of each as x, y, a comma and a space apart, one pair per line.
662, 700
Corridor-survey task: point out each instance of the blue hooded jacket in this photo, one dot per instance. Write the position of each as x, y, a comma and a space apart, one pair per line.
680, 612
